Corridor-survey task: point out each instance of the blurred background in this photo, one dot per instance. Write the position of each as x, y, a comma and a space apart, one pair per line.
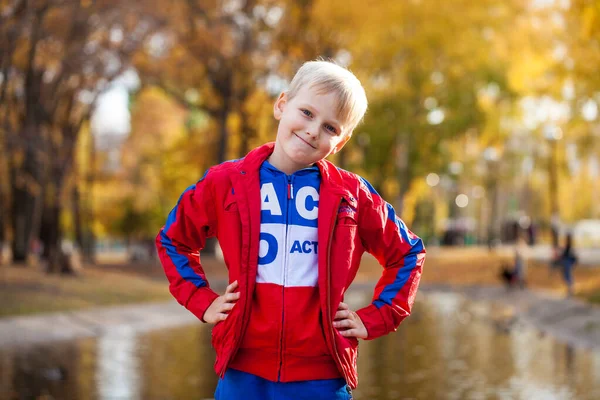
483, 127
483, 117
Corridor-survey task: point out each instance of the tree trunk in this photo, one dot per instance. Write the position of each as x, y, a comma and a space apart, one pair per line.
2, 220
59, 260
77, 220
26, 178
89, 240
3, 256
23, 206
26, 182
50, 237
247, 132
223, 86
3, 190
223, 133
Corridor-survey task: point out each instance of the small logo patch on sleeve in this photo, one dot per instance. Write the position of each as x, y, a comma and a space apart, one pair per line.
346, 210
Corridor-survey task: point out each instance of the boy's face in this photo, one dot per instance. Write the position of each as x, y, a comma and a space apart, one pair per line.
309, 129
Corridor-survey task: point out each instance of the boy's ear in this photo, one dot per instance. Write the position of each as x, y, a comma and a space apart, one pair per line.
279, 106
341, 144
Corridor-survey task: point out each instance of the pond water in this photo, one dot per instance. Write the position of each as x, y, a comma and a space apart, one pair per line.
450, 348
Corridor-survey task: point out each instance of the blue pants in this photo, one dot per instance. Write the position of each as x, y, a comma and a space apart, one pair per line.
241, 385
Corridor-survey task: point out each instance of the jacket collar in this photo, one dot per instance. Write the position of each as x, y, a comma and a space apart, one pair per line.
331, 178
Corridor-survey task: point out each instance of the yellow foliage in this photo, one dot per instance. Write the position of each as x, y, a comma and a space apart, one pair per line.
578, 196
394, 47
410, 201
158, 161
526, 70
591, 20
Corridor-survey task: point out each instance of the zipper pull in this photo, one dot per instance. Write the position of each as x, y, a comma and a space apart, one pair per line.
290, 188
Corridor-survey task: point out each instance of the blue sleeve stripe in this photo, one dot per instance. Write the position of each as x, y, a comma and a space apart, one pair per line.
173, 214
180, 261
410, 262
368, 185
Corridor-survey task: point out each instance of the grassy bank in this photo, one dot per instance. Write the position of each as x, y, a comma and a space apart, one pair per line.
26, 291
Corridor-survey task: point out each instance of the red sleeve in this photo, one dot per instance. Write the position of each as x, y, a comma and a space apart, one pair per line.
179, 243
401, 254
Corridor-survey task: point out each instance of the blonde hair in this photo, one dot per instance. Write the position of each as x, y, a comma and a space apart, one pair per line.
327, 77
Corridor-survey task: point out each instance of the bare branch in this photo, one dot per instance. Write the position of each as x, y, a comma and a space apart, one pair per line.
18, 8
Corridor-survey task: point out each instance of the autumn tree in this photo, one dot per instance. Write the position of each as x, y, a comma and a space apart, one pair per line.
57, 56
221, 57
423, 64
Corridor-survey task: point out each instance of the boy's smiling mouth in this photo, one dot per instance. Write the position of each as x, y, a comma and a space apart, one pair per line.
298, 136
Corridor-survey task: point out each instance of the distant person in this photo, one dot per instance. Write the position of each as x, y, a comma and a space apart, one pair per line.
532, 234
515, 275
292, 228
521, 258
567, 261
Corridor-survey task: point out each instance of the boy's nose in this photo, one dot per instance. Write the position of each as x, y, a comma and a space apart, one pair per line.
311, 136
312, 130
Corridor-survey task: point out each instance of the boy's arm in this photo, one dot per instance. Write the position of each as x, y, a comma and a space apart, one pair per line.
400, 252
179, 243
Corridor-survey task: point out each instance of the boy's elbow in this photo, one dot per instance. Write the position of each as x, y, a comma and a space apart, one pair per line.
162, 239
417, 246
422, 250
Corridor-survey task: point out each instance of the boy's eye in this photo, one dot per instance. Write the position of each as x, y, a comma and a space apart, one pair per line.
330, 128
306, 112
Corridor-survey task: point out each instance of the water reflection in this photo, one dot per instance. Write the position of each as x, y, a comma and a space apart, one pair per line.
455, 349
61, 371
450, 349
177, 364
118, 365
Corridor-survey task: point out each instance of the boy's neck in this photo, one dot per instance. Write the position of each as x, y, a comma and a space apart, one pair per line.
284, 165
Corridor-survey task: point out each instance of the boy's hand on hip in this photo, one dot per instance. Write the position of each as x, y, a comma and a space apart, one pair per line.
348, 323
220, 307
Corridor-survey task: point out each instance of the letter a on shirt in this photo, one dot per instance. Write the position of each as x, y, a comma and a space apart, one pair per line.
269, 199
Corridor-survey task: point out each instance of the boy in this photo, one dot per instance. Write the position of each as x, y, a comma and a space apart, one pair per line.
292, 228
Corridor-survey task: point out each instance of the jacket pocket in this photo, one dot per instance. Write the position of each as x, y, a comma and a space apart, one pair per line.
216, 335
346, 220
230, 203
347, 349
346, 342
229, 231
219, 337
344, 244
223, 340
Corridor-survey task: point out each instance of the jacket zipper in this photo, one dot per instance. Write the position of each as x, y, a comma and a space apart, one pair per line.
290, 196
329, 317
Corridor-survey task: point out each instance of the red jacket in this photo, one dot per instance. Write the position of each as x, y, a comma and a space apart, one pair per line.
352, 219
